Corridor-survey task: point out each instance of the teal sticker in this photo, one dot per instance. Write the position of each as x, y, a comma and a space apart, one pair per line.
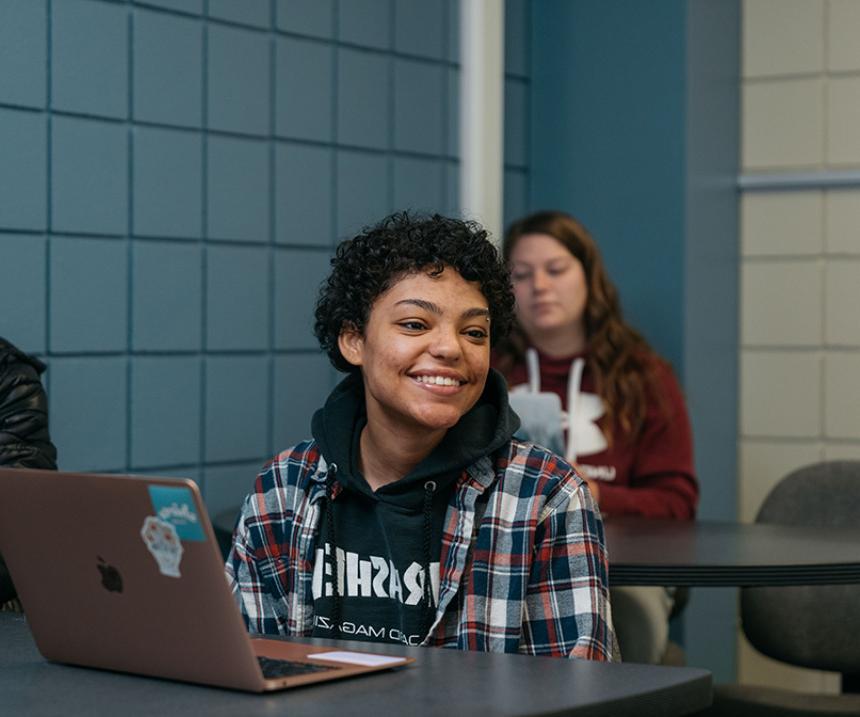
175, 505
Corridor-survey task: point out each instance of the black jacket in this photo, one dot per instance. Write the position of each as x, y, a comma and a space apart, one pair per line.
24, 438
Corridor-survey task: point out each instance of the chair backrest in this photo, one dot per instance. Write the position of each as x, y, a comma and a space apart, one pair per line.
809, 626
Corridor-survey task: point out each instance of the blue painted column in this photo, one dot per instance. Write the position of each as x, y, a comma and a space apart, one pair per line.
634, 130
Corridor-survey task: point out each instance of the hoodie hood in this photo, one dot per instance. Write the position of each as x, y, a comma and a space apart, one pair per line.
9, 354
484, 429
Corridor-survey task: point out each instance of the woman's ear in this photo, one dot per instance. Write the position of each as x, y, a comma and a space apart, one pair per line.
351, 345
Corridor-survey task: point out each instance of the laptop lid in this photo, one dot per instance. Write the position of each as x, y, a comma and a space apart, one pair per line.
124, 573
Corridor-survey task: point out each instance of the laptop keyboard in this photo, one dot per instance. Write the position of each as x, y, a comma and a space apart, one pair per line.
273, 669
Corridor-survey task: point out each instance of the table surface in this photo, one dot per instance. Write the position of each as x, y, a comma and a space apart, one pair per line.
719, 554
441, 682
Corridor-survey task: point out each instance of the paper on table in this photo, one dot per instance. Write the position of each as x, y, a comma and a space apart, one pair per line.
358, 658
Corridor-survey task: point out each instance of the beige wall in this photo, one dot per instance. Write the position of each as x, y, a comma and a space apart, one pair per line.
800, 266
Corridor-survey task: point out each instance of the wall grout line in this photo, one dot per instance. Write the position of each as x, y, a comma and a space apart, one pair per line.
334, 106
445, 109
272, 297
49, 181
204, 234
391, 110
129, 379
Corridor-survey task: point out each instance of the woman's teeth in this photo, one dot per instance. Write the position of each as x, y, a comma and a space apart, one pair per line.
438, 380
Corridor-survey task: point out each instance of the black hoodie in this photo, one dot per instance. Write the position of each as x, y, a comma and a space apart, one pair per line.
24, 439
386, 540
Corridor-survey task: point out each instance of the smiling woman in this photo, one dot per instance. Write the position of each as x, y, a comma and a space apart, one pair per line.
424, 357
413, 516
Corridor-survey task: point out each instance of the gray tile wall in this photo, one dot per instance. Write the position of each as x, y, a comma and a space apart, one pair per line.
518, 34
174, 176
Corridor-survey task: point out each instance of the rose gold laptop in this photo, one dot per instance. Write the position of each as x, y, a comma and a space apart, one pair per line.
123, 573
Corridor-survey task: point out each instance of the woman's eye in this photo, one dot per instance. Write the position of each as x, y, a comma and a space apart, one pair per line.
412, 325
477, 333
520, 276
556, 270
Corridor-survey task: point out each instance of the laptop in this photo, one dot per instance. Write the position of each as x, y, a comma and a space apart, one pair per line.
123, 573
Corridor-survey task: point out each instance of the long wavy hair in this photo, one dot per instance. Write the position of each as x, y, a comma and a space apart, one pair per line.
618, 357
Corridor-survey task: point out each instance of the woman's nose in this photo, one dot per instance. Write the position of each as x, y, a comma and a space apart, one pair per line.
539, 281
445, 344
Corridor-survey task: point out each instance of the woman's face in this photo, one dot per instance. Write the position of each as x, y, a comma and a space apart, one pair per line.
424, 354
549, 285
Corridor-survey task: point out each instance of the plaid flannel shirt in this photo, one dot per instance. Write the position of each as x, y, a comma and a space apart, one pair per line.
523, 565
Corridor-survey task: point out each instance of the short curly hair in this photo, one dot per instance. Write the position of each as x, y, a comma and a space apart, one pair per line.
367, 265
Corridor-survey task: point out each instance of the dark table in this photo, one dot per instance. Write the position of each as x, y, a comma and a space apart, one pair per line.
706, 553
442, 682
724, 554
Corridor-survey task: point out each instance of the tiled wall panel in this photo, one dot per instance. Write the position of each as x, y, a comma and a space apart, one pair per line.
418, 184
89, 176
175, 175
23, 184
168, 69
419, 28
303, 379
842, 217
298, 275
782, 224
783, 124
363, 190
89, 57
306, 17
167, 297
23, 76
304, 194
237, 393
89, 415
23, 284
843, 26
419, 119
89, 295
303, 89
167, 182
782, 37
238, 80
237, 298
781, 303
365, 22
237, 187
800, 359
165, 411
363, 92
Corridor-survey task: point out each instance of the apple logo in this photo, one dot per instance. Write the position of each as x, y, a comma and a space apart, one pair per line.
111, 579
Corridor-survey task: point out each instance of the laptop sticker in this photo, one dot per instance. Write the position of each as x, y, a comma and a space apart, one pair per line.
175, 505
162, 541
358, 658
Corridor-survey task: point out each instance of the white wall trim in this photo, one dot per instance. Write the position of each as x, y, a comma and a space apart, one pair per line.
482, 110
770, 181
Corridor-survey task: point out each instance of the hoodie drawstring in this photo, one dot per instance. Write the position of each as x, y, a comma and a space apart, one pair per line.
427, 603
329, 512
574, 389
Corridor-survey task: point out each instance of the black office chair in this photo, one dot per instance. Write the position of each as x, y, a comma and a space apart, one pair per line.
815, 627
224, 523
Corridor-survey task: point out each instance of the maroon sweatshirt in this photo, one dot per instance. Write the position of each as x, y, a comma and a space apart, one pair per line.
650, 474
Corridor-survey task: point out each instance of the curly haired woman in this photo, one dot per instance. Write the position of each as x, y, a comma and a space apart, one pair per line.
413, 516
587, 385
